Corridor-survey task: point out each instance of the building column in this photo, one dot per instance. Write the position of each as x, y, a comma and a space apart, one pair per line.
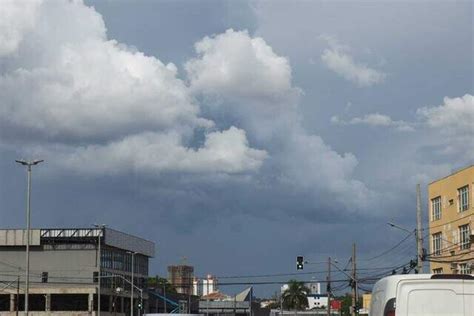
47, 302
12, 302
90, 306
122, 305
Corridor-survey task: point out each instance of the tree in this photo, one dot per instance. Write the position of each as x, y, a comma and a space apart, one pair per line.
294, 297
161, 284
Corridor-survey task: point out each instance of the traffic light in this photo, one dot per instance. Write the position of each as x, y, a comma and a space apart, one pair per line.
95, 277
140, 304
357, 308
299, 263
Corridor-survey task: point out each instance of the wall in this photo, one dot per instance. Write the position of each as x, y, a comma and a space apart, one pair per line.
451, 218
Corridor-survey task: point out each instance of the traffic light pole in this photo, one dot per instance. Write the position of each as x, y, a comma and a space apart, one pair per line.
329, 286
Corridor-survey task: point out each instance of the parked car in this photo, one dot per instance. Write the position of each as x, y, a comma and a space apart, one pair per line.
423, 295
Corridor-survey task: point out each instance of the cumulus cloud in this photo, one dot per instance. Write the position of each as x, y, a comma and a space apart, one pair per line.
64, 84
225, 151
452, 123
455, 116
254, 72
342, 63
376, 120
253, 84
18, 17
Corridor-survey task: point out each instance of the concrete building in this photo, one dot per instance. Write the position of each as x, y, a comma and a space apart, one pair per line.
64, 271
451, 215
205, 286
209, 285
243, 304
181, 277
197, 289
317, 301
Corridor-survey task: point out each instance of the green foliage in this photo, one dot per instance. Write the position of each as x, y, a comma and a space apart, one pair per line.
295, 296
161, 283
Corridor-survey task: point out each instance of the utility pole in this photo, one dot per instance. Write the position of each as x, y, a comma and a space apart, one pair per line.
419, 235
328, 288
17, 302
281, 303
354, 282
164, 295
99, 264
132, 253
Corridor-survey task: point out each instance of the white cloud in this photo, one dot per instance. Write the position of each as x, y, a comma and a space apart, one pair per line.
376, 120
67, 86
455, 116
237, 65
17, 17
152, 153
254, 86
338, 60
452, 125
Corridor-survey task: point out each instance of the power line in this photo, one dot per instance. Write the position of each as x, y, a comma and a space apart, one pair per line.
455, 220
389, 250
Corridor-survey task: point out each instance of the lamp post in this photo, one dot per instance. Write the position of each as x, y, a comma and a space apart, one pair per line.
99, 264
28, 164
133, 270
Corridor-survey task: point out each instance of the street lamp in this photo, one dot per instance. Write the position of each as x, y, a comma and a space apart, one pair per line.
28, 164
133, 270
419, 244
401, 228
99, 265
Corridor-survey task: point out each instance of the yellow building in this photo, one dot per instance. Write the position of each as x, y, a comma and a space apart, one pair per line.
451, 215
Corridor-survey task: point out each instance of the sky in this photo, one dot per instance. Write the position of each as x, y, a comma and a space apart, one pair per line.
236, 134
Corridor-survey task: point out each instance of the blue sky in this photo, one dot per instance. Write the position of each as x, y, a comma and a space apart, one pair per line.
237, 134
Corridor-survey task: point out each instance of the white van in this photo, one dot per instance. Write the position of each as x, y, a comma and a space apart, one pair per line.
423, 295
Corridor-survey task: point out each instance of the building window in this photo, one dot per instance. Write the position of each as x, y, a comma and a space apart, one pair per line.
464, 268
438, 271
464, 240
436, 244
436, 208
463, 194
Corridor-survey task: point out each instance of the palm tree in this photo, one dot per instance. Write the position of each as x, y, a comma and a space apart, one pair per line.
294, 297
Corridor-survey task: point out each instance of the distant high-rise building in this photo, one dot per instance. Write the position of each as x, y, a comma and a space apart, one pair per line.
451, 216
209, 285
197, 290
181, 277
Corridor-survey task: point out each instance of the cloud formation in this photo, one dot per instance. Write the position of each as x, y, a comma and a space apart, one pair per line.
253, 85
101, 102
255, 72
375, 120
452, 124
454, 117
338, 60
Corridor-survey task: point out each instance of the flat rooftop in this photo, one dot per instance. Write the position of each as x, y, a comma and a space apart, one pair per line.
108, 236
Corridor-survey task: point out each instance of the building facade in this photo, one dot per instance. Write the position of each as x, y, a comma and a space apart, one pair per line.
65, 265
205, 286
451, 215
